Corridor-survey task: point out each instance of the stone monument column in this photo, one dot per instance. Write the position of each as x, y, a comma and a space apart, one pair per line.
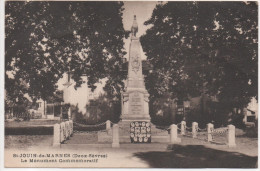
135, 98
135, 118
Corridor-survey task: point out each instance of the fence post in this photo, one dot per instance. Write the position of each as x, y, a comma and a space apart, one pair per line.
115, 136
183, 127
108, 125
62, 129
67, 128
210, 128
174, 134
56, 135
194, 129
231, 136
71, 127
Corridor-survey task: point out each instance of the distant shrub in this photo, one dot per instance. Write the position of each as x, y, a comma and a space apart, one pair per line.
237, 121
252, 131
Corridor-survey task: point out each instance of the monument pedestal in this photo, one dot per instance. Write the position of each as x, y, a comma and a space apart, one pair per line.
157, 135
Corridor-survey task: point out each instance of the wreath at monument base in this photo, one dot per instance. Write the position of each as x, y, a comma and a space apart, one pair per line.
140, 132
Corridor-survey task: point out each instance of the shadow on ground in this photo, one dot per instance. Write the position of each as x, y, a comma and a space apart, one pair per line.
196, 156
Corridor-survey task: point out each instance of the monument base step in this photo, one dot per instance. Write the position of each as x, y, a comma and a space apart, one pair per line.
157, 135
106, 138
132, 146
84, 146
154, 139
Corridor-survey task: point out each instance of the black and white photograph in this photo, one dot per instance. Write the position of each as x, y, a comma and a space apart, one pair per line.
130, 84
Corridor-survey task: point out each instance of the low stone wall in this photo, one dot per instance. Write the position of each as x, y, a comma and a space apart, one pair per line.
32, 130
62, 132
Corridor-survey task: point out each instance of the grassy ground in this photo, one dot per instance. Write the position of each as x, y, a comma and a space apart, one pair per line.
32, 127
83, 138
27, 141
244, 145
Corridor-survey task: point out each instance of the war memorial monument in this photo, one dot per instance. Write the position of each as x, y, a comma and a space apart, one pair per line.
135, 125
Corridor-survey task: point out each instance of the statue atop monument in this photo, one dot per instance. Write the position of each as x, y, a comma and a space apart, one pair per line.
134, 28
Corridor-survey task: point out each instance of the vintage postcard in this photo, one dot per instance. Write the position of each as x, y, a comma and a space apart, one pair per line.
130, 84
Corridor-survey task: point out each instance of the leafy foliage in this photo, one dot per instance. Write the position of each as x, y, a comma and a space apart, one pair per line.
103, 108
98, 111
161, 110
203, 48
46, 39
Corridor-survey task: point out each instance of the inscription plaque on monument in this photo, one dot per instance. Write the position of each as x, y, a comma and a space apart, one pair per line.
136, 106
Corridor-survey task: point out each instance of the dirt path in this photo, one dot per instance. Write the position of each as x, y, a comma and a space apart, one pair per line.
190, 153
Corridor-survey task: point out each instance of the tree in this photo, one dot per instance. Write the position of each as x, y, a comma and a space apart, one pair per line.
102, 109
43, 40
205, 48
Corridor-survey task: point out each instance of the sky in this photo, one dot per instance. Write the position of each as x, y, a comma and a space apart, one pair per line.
143, 11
